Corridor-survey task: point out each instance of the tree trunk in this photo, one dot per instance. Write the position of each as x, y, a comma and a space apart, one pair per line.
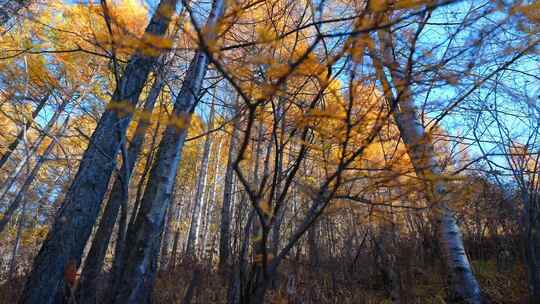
463, 284
140, 262
225, 226
164, 255
118, 198
13, 262
176, 239
211, 201
74, 220
15, 143
192, 240
531, 240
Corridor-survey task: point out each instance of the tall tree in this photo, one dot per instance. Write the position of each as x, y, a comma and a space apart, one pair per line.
144, 240
463, 283
195, 226
225, 225
73, 223
117, 199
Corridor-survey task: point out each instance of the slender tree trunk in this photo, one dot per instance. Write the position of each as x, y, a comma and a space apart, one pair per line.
164, 255
211, 201
140, 262
176, 238
13, 261
14, 205
118, 198
144, 177
463, 284
73, 224
225, 226
193, 238
15, 143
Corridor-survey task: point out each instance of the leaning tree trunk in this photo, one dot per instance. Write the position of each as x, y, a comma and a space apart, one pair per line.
73, 224
164, 253
140, 262
94, 261
463, 284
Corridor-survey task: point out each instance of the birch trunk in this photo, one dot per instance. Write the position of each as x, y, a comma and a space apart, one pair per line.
211, 202
140, 262
73, 223
13, 261
164, 255
192, 240
463, 284
171, 263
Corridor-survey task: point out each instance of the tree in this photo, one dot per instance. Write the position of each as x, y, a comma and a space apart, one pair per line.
73, 222
144, 240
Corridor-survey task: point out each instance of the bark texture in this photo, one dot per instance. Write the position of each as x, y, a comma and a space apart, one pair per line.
74, 220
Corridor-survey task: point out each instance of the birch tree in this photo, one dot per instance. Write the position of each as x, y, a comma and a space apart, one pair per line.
140, 262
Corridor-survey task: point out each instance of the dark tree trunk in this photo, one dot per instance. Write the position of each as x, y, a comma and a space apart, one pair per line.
74, 220
531, 241
118, 198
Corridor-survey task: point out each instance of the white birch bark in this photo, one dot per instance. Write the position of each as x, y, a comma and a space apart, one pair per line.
463, 284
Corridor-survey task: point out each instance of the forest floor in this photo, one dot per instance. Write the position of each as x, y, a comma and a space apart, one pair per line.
319, 286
